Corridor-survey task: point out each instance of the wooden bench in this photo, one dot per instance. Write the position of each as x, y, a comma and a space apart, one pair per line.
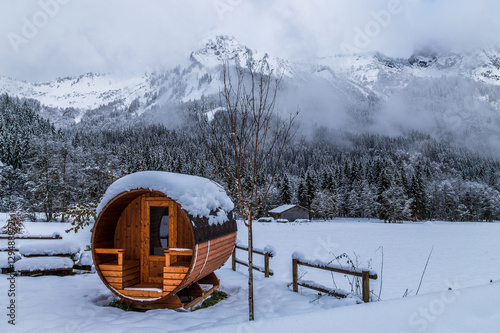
173, 275
49, 265
28, 236
119, 273
44, 249
54, 271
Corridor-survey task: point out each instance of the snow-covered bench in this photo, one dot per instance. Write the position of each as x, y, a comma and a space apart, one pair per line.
45, 249
47, 258
55, 235
44, 266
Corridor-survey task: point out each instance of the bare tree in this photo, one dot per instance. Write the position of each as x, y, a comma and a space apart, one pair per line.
247, 139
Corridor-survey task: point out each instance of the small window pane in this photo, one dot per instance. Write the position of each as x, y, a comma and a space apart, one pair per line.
158, 230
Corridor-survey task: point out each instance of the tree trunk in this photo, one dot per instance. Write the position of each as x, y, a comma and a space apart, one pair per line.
250, 272
257, 138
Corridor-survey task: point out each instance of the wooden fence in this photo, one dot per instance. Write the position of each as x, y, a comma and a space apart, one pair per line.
266, 270
365, 276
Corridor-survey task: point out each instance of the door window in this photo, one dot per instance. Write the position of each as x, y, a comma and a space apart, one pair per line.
158, 229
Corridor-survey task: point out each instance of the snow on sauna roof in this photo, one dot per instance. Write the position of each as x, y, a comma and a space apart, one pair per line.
198, 196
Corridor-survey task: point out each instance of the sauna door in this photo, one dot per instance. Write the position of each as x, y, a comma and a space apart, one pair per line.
157, 225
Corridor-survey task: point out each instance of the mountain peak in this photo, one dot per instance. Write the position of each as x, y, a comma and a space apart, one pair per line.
221, 48
348, 82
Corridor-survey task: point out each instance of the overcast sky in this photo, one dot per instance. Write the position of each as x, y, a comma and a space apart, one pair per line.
42, 40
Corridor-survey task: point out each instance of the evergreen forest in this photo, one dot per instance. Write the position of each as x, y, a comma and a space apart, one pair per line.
411, 176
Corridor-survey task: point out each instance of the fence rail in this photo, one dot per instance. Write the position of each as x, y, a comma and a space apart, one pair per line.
364, 275
266, 270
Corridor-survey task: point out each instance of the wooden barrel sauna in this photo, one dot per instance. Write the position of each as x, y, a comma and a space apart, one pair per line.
160, 236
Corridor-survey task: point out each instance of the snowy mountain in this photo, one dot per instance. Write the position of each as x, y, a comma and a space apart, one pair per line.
449, 92
376, 71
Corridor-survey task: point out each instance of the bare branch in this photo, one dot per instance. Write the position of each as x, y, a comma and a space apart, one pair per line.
247, 139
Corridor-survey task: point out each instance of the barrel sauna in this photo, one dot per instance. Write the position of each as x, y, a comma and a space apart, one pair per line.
159, 237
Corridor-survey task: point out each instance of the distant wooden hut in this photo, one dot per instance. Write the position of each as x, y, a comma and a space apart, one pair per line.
159, 236
290, 212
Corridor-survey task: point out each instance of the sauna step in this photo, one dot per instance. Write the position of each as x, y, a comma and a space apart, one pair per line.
143, 293
123, 273
168, 288
146, 290
175, 269
113, 265
171, 281
173, 276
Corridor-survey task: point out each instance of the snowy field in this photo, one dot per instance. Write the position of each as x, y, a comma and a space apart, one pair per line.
465, 258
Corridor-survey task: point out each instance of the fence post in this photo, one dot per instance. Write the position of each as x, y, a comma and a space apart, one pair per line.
266, 265
366, 286
295, 275
234, 259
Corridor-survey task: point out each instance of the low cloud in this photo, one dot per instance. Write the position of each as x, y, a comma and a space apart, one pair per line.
126, 36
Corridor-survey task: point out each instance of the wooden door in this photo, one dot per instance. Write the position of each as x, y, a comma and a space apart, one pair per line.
152, 257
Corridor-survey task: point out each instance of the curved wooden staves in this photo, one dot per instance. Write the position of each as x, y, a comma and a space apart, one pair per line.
172, 278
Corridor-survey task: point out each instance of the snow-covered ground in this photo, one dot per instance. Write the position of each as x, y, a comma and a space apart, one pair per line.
465, 257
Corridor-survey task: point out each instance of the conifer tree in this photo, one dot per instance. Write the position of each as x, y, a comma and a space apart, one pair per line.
417, 194
285, 192
382, 197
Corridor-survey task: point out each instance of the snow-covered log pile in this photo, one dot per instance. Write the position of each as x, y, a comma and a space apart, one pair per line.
47, 257
41, 248
54, 235
41, 264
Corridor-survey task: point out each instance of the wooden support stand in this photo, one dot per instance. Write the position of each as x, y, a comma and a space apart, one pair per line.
209, 279
195, 291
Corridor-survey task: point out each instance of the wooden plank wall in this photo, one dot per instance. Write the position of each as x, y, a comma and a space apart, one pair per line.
183, 236
184, 230
156, 264
210, 256
128, 231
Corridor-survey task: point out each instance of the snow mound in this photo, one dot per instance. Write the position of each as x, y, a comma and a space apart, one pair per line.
198, 196
86, 259
298, 255
4, 259
271, 250
42, 263
48, 248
